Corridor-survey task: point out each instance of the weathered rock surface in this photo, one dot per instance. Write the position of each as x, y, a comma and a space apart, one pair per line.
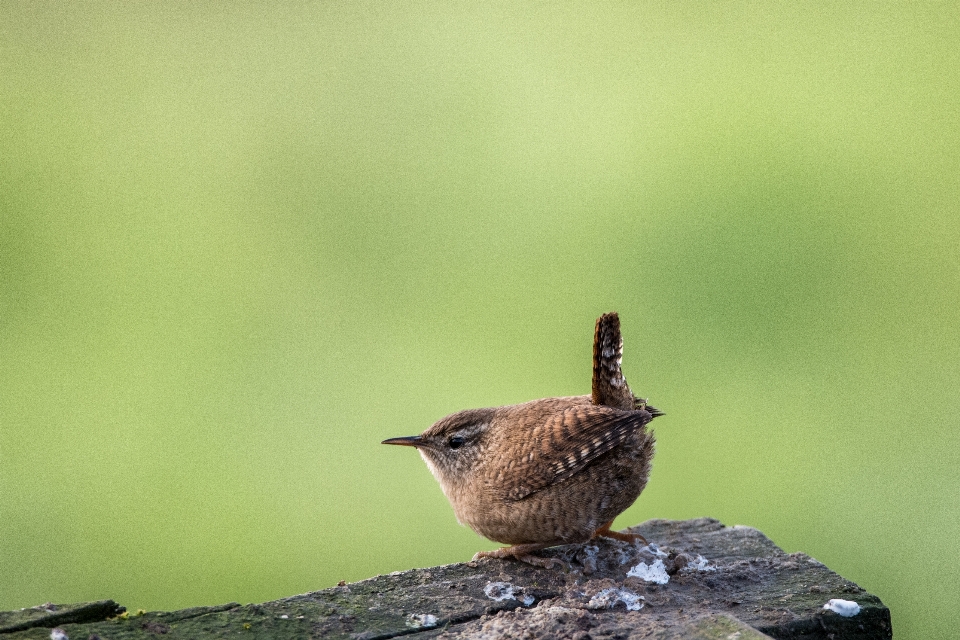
697, 579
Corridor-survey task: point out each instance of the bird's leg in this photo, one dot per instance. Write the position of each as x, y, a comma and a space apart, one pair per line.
522, 552
605, 532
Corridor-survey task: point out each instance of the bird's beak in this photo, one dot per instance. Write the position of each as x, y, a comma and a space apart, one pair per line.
406, 441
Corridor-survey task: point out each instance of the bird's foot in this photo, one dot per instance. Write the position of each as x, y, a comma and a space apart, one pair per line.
546, 563
523, 553
605, 532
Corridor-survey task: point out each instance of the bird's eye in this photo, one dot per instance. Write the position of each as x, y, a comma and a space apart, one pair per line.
456, 442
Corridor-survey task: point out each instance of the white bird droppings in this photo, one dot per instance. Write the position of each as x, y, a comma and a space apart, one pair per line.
608, 598
500, 591
701, 564
656, 573
590, 558
845, 608
421, 620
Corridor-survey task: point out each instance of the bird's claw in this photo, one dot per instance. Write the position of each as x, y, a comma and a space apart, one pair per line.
546, 563
523, 554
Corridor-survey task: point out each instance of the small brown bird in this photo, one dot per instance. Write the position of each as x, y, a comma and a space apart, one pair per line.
551, 471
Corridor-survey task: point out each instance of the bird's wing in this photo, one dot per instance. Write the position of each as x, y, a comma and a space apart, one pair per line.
568, 442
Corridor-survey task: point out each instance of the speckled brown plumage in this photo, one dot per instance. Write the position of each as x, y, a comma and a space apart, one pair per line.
549, 471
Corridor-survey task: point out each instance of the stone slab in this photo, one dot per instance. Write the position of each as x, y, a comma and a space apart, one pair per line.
698, 579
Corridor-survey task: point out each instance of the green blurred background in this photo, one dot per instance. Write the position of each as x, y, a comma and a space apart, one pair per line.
242, 244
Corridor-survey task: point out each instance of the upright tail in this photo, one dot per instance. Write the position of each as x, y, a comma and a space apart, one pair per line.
610, 388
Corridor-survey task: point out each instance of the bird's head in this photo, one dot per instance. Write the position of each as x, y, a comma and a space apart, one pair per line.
453, 447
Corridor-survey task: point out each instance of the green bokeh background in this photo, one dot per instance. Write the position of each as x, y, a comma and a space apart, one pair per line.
242, 243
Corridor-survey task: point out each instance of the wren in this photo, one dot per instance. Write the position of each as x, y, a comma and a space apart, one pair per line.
551, 471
